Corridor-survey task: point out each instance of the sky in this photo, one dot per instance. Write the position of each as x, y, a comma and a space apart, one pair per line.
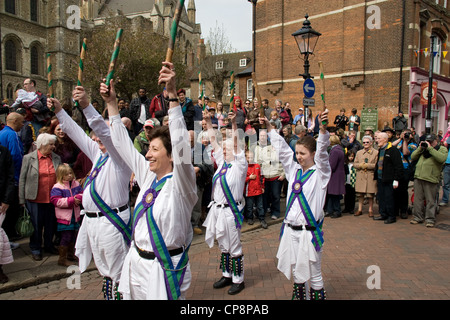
233, 16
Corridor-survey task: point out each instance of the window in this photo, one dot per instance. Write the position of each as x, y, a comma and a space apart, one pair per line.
9, 92
34, 10
243, 63
219, 64
10, 6
249, 88
11, 55
34, 59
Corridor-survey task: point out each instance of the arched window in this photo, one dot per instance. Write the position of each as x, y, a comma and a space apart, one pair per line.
9, 92
11, 55
10, 6
34, 59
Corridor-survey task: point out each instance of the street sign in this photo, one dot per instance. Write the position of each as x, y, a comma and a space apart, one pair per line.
369, 119
309, 88
308, 102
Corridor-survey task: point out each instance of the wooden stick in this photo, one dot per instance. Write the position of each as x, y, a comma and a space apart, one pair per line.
322, 87
174, 30
115, 55
50, 76
262, 114
81, 66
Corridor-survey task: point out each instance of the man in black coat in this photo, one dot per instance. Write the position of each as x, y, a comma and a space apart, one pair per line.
388, 172
140, 110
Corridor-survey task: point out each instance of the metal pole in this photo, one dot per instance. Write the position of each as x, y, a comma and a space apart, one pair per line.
430, 88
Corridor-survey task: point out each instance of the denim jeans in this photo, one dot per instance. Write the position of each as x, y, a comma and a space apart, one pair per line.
446, 187
258, 201
272, 196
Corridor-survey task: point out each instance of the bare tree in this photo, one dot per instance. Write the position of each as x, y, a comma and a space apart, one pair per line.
215, 68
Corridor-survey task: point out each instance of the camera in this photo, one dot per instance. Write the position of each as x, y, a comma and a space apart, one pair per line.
424, 145
407, 135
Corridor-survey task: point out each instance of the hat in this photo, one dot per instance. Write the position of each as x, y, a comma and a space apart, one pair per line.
430, 137
149, 123
300, 109
388, 129
369, 128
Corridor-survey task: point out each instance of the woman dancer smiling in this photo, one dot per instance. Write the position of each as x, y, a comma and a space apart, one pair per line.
157, 265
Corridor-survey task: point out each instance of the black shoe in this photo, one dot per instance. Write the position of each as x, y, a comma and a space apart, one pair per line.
264, 224
379, 218
336, 215
390, 220
250, 221
222, 283
36, 257
52, 250
404, 215
236, 288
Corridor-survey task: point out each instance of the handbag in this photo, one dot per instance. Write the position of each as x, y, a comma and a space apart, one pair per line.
409, 173
24, 226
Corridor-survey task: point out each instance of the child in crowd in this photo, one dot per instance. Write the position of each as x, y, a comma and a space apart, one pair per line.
350, 171
253, 192
275, 118
66, 196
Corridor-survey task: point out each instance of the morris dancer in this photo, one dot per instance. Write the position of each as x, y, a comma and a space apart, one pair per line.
225, 217
157, 264
104, 233
300, 250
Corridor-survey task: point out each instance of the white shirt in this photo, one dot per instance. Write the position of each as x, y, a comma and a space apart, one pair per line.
315, 189
142, 114
141, 278
112, 181
173, 206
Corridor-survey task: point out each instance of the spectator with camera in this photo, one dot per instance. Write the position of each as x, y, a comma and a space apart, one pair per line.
430, 157
406, 145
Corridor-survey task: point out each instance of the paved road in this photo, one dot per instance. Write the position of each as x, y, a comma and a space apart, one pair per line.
363, 260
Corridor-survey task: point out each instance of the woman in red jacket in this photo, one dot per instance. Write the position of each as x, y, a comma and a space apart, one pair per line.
253, 192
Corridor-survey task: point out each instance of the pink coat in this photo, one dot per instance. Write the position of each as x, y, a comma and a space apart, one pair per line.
63, 198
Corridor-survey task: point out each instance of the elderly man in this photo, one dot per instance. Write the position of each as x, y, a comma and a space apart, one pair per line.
430, 157
388, 171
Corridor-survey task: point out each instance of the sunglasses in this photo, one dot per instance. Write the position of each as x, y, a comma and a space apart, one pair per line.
366, 142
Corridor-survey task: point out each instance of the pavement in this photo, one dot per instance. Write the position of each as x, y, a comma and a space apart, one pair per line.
363, 259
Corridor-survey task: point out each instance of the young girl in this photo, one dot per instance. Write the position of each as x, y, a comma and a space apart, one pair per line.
349, 198
275, 118
66, 196
301, 240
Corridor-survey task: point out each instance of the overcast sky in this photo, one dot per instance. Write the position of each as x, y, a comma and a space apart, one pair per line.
234, 15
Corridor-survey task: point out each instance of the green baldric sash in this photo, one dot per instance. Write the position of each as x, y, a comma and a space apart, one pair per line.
173, 276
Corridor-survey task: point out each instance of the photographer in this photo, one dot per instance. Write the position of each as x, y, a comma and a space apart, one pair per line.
431, 157
406, 145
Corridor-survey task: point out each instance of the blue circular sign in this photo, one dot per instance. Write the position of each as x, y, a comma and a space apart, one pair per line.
309, 88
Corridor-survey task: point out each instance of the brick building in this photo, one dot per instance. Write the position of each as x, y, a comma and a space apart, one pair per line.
371, 51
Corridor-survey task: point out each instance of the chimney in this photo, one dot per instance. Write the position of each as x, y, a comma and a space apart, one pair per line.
201, 51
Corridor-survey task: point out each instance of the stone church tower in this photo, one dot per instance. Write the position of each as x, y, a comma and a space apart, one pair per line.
28, 31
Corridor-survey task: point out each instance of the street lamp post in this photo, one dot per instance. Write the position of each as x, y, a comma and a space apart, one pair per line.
306, 39
430, 88
254, 39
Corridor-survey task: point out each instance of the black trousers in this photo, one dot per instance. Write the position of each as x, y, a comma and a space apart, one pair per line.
385, 198
349, 198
